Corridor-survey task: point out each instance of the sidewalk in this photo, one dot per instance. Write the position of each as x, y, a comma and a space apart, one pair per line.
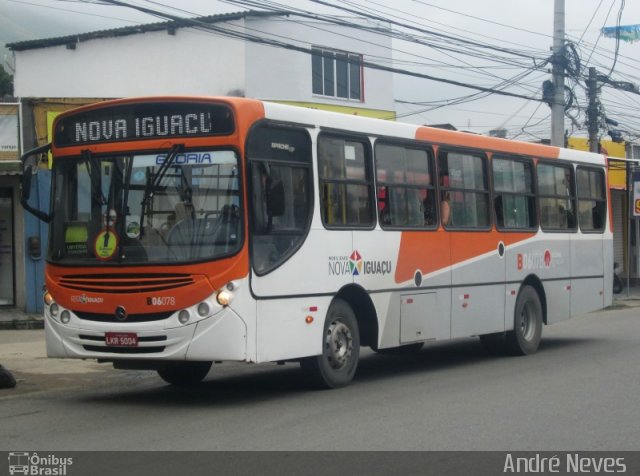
16, 319
23, 353
628, 297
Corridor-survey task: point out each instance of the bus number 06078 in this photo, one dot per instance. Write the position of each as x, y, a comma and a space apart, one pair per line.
161, 301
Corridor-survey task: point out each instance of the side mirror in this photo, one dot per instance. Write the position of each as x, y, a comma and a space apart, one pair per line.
276, 198
29, 170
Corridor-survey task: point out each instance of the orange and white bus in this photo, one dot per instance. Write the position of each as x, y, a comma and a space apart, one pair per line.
186, 231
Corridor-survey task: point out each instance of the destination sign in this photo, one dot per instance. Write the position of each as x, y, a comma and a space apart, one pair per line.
144, 121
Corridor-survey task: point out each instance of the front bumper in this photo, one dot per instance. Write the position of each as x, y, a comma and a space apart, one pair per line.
222, 336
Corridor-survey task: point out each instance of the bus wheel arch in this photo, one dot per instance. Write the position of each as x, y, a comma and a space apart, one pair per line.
364, 311
535, 282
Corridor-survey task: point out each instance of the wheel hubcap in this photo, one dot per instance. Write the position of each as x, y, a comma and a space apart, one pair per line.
338, 344
527, 327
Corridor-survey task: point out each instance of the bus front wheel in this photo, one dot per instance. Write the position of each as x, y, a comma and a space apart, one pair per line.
183, 374
525, 337
337, 364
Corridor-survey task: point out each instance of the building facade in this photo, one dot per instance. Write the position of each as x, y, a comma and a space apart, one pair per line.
271, 56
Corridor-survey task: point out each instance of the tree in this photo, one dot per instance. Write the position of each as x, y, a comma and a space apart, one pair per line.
6, 83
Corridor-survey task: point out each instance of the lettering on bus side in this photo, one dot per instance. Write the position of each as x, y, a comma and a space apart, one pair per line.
539, 260
355, 265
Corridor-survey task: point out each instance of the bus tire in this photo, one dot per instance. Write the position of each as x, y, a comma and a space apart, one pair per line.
337, 364
407, 349
184, 374
525, 337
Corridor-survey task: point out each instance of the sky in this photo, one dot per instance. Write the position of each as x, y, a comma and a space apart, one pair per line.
489, 43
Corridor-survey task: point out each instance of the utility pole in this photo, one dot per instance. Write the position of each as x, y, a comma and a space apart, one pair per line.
592, 110
557, 107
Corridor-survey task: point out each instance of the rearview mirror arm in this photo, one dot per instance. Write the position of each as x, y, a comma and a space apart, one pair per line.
27, 174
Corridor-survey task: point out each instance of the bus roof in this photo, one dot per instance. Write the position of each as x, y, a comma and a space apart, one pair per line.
379, 127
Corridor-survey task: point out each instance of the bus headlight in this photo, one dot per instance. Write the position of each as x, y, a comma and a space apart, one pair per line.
184, 316
65, 317
54, 309
203, 309
47, 298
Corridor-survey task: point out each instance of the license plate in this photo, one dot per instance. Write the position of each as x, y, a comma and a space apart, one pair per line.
121, 339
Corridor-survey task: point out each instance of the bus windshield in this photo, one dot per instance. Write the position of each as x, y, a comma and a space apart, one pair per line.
147, 208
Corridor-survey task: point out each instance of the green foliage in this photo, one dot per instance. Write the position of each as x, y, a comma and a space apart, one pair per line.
6, 83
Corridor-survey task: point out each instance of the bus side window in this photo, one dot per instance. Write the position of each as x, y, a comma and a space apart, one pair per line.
514, 195
464, 190
592, 201
405, 188
556, 197
345, 182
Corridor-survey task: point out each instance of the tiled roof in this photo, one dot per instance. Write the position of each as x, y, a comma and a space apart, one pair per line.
133, 30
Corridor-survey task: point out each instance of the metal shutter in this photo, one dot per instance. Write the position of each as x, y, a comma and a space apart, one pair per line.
619, 239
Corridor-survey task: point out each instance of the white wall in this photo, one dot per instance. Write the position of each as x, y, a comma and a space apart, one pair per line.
191, 62
281, 74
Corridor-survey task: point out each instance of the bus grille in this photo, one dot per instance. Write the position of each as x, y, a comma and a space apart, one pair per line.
91, 316
125, 283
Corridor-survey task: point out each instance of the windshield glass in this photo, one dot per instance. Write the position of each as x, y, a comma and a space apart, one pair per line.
147, 208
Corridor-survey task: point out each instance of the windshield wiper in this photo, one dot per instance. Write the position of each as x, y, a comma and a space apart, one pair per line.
155, 181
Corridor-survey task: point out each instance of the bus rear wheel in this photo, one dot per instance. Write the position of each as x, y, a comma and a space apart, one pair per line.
525, 337
184, 374
337, 364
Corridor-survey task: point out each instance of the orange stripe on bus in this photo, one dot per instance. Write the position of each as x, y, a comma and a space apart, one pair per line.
427, 252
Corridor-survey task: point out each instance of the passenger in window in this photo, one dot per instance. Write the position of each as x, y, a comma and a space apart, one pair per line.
383, 206
497, 204
567, 211
598, 213
445, 208
429, 209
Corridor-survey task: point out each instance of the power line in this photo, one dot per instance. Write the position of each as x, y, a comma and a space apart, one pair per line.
438, 41
39, 5
422, 30
279, 44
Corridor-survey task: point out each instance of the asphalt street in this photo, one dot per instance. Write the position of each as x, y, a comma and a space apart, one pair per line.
579, 392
